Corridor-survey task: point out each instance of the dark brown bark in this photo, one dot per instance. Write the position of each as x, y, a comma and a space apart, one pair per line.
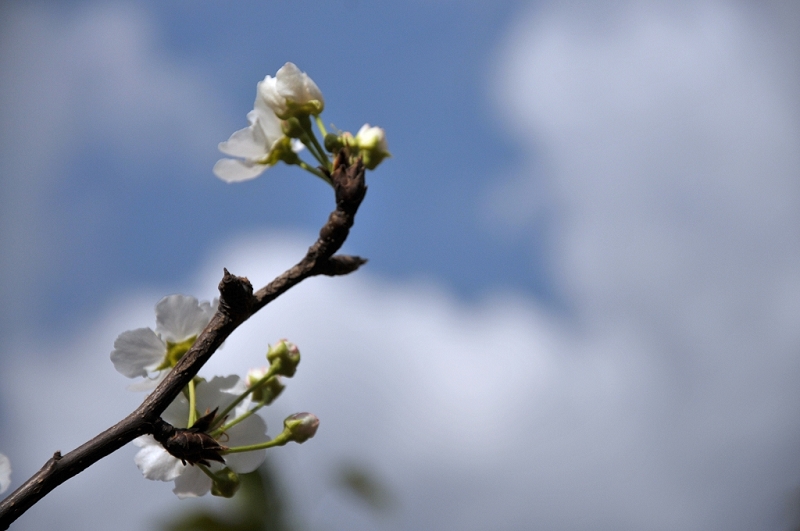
237, 304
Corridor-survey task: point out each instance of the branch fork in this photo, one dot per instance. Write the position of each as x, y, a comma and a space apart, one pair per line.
237, 304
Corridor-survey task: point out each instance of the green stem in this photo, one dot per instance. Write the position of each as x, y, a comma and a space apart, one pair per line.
315, 171
219, 431
325, 160
309, 139
192, 405
283, 438
261, 381
206, 470
310, 142
321, 126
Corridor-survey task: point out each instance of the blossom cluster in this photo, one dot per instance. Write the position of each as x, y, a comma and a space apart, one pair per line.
225, 406
280, 127
212, 432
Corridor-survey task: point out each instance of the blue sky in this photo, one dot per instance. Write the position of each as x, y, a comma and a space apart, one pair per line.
581, 305
420, 71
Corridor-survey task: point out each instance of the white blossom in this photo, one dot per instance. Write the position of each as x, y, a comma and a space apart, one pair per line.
371, 141
148, 353
291, 93
190, 481
257, 147
5, 473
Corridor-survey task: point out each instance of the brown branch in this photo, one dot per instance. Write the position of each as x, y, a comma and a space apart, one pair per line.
237, 304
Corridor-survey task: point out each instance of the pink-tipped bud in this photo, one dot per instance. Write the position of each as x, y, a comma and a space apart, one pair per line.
301, 426
284, 356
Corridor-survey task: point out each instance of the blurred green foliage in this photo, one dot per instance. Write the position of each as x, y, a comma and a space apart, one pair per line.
260, 505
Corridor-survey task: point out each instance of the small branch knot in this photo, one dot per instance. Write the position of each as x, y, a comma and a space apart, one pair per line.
236, 296
341, 264
192, 445
348, 182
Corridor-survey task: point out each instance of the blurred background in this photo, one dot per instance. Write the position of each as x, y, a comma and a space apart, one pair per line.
582, 305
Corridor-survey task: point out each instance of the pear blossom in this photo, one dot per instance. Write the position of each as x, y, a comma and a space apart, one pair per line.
291, 93
190, 481
5, 473
261, 145
148, 353
371, 141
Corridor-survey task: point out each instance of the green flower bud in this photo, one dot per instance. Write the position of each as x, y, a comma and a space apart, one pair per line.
291, 127
267, 391
333, 143
284, 358
301, 426
225, 483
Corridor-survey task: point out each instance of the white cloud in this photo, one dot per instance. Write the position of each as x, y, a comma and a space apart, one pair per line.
668, 136
403, 379
472, 414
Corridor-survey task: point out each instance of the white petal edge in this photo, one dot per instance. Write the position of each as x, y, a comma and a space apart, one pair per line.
154, 462
5, 473
209, 308
247, 143
236, 171
137, 350
268, 123
192, 483
177, 413
252, 430
267, 92
149, 383
179, 317
297, 86
217, 392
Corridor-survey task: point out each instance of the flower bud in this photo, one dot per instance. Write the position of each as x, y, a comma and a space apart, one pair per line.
225, 483
267, 391
333, 143
291, 93
284, 358
301, 426
371, 141
292, 128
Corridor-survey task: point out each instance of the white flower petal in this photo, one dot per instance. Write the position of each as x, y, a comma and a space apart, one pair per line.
247, 143
252, 430
234, 171
149, 383
270, 125
192, 483
217, 392
137, 350
209, 308
155, 462
177, 413
5, 473
296, 86
268, 93
179, 317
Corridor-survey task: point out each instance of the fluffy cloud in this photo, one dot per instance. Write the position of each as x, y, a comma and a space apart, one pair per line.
667, 134
667, 138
